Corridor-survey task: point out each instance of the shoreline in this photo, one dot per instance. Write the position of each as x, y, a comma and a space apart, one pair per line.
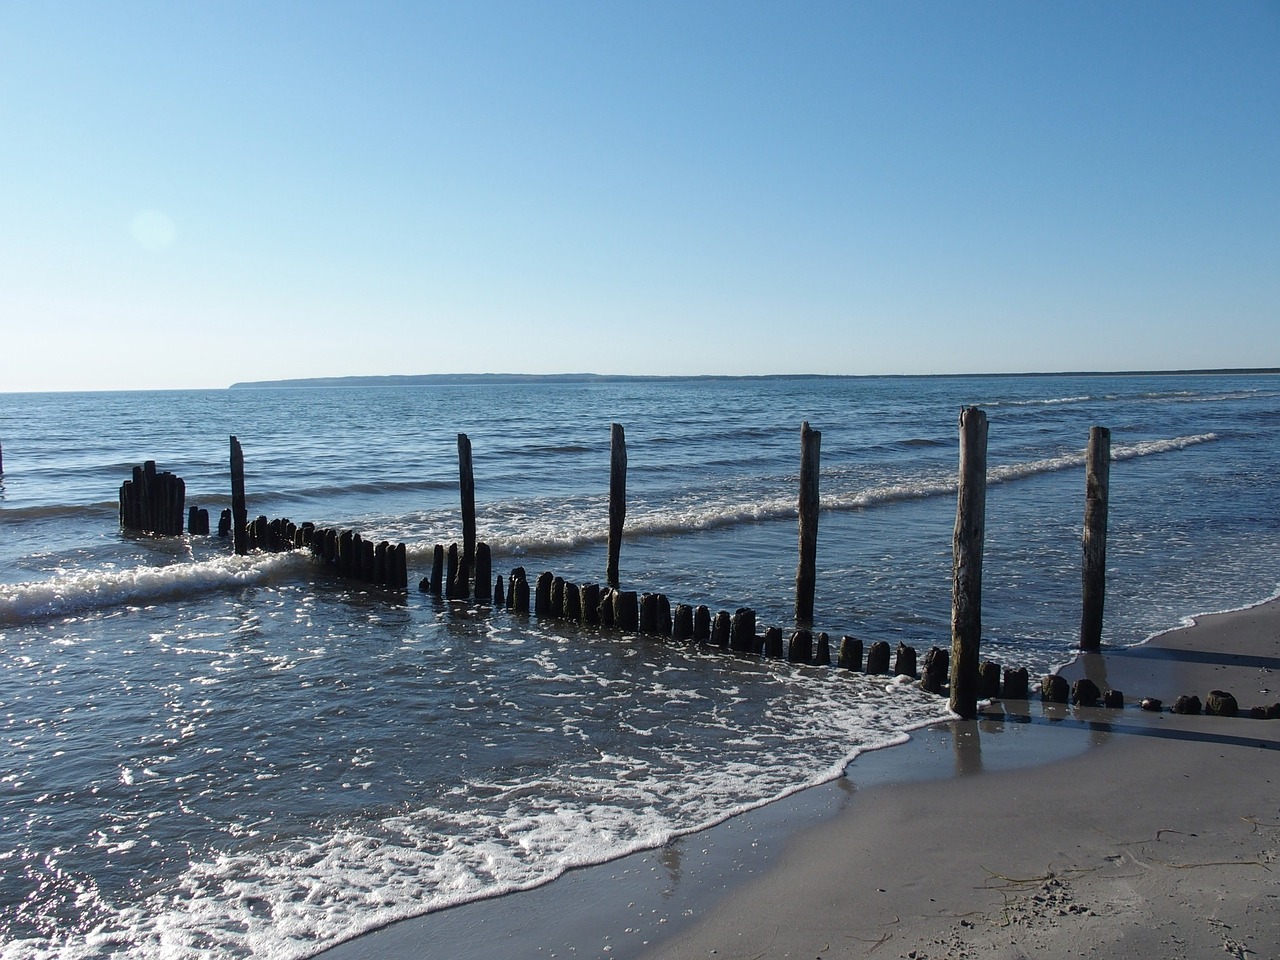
892, 857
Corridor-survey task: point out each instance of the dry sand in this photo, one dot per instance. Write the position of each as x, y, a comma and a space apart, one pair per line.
1055, 832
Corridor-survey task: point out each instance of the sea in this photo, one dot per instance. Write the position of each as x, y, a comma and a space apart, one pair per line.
205, 755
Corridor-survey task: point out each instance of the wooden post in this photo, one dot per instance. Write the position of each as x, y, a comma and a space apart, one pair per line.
484, 572
467, 486
966, 564
1094, 542
239, 512
617, 499
806, 570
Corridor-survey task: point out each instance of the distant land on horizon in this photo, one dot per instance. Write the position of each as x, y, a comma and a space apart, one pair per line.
462, 379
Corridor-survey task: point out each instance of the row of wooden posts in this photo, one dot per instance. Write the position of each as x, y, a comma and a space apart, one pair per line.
147, 504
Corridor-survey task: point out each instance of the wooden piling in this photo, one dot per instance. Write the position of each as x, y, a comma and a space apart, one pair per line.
682, 622
966, 568
702, 623
626, 610
774, 648
822, 651
849, 655
721, 626
451, 573
617, 499
800, 649
484, 572
742, 631
239, 512
437, 570
806, 570
1094, 542
467, 488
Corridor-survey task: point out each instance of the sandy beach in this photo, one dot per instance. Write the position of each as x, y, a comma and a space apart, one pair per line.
1050, 832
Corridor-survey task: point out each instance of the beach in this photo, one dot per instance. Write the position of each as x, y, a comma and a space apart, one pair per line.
209, 754
1071, 832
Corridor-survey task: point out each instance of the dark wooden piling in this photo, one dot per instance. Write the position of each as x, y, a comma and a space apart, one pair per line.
153, 502
878, 657
484, 572
822, 650
806, 569
626, 610
520, 592
617, 499
937, 668
499, 596
591, 604
572, 605
1094, 540
742, 631
224, 523
557, 596
721, 627
988, 680
682, 622
398, 561
1017, 684
451, 573
800, 649
239, 512
702, 623
605, 610
663, 616
904, 661
966, 569
774, 647
467, 489
648, 613
1054, 689
850, 653
437, 570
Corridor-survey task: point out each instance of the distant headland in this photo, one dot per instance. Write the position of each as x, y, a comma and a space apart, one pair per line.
462, 379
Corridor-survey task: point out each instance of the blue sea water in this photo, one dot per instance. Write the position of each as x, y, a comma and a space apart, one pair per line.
212, 756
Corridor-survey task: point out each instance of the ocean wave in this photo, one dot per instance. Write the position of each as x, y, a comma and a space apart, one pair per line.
1040, 402
87, 591
557, 529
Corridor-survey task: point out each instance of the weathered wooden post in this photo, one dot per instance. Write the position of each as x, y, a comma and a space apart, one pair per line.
966, 564
239, 512
617, 499
1094, 542
806, 570
467, 487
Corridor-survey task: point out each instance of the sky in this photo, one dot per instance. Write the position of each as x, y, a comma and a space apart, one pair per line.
194, 194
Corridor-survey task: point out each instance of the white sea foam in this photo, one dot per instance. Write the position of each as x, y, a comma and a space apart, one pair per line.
295, 898
85, 590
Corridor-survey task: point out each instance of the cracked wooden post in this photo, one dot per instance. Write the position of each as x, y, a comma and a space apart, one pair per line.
806, 570
467, 486
966, 565
617, 499
1094, 542
239, 512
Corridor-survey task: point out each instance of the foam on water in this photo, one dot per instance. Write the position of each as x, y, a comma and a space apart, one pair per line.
82, 591
486, 835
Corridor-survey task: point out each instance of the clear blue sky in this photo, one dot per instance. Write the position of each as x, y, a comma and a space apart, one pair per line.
193, 194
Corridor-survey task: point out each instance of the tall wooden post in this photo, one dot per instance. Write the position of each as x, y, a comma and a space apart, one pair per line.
239, 512
467, 486
966, 566
617, 499
806, 570
1094, 541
